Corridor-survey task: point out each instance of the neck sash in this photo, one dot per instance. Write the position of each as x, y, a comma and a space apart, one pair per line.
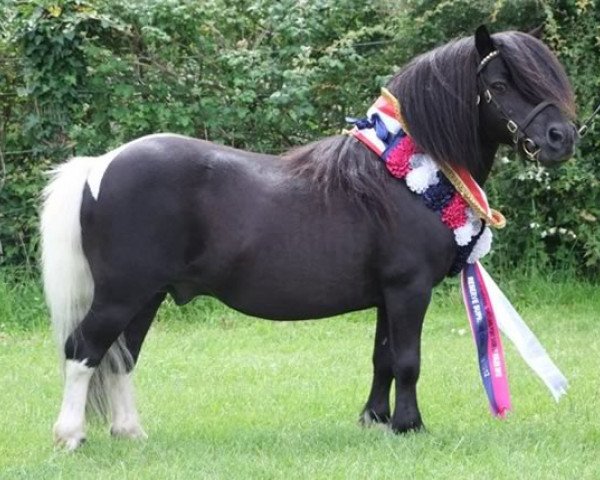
384, 124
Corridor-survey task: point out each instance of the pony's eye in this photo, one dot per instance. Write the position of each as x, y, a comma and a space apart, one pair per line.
499, 87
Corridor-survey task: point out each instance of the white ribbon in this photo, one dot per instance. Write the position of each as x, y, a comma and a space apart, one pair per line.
512, 325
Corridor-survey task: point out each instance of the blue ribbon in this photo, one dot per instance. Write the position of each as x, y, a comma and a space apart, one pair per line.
479, 322
374, 122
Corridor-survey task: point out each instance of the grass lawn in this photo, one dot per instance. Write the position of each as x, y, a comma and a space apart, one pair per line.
231, 397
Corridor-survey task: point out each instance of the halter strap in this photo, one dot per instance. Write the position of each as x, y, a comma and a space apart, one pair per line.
535, 112
518, 131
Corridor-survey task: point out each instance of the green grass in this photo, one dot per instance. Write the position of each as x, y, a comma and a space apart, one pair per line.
225, 396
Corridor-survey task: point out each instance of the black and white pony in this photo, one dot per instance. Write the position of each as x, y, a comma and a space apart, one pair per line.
318, 231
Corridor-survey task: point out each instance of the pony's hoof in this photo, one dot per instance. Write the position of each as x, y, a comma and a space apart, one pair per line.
370, 418
131, 431
408, 427
69, 439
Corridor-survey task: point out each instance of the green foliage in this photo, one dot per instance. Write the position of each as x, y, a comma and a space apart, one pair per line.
82, 77
21, 305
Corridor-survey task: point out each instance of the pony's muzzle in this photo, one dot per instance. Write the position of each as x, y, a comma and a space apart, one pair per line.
560, 136
558, 145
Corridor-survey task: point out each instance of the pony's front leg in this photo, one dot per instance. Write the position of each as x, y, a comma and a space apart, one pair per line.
405, 309
377, 408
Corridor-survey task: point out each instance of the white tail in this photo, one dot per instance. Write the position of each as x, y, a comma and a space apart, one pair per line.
68, 282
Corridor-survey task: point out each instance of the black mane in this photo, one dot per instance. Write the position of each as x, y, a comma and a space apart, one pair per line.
437, 92
342, 163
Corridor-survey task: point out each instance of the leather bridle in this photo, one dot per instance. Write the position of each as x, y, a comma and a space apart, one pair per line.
518, 131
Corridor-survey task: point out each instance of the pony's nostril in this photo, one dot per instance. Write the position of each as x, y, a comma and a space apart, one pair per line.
556, 136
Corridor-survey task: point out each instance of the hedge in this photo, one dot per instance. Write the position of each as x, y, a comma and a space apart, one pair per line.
82, 77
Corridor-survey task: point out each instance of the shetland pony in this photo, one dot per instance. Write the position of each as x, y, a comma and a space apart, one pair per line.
319, 231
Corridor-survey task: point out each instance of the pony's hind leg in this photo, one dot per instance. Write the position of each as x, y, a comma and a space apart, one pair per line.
125, 420
69, 429
124, 415
85, 371
377, 408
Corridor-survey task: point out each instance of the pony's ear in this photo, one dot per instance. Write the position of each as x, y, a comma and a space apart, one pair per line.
483, 41
537, 32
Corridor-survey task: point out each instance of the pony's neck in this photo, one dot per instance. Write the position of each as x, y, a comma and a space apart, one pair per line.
488, 152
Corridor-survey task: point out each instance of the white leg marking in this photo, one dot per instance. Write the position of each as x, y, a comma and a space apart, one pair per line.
125, 418
69, 429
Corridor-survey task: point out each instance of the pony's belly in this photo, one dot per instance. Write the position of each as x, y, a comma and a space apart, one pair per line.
294, 308
272, 306
285, 296
309, 282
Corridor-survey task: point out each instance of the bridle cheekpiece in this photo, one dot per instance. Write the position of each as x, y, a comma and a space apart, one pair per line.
517, 131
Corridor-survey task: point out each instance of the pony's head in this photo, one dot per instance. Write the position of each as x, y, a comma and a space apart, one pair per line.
525, 97
484, 90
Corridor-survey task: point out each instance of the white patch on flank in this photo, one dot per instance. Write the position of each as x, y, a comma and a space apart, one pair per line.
94, 178
97, 172
69, 429
125, 418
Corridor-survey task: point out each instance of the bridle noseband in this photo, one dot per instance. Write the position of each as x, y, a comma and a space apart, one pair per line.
516, 130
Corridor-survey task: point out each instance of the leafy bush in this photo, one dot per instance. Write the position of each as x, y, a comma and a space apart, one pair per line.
264, 75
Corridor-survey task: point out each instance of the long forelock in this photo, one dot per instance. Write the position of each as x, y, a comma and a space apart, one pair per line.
535, 70
437, 93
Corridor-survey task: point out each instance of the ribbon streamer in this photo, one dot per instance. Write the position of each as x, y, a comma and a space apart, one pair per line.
512, 325
488, 308
482, 318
